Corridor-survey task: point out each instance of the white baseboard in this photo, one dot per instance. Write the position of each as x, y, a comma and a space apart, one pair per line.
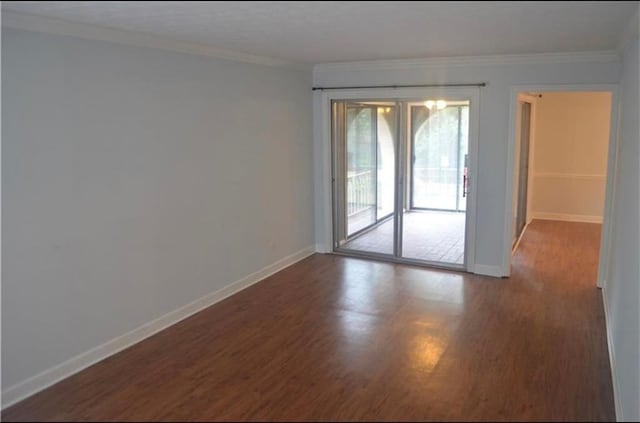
515, 246
483, 269
43, 380
568, 217
612, 358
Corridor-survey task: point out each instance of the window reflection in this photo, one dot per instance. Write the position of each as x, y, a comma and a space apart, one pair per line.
426, 351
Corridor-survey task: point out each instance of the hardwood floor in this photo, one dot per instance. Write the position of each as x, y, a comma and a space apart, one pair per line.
336, 338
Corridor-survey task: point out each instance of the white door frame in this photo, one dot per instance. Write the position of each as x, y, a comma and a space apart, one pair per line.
612, 159
323, 150
531, 100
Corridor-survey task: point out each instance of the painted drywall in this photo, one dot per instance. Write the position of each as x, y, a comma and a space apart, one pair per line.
622, 289
494, 109
135, 181
570, 154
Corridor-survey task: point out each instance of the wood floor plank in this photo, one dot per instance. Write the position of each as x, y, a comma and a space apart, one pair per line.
337, 338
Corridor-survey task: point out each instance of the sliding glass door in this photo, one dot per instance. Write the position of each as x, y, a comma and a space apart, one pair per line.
400, 172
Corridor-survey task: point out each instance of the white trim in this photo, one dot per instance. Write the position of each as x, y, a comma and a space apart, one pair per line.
508, 228
517, 244
531, 100
486, 270
610, 191
463, 61
94, 32
324, 184
62, 371
611, 165
472, 182
550, 175
612, 358
567, 217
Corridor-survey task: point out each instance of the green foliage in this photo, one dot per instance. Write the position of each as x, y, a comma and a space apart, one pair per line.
436, 138
360, 151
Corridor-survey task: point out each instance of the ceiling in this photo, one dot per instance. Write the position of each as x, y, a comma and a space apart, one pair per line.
323, 32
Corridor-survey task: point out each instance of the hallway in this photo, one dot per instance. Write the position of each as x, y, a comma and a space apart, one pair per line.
336, 338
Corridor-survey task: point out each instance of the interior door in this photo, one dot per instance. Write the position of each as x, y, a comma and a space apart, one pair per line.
523, 168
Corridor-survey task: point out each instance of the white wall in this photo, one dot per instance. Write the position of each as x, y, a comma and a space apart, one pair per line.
570, 155
622, 290
135, 181
501, 74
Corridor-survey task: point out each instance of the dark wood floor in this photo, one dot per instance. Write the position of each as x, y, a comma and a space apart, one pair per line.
335, 338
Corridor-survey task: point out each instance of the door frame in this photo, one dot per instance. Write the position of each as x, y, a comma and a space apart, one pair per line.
531, 100
324, 150
612, 160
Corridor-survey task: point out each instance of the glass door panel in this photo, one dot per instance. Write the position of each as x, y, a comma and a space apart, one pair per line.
361, 168
364, 143
434, 219
435, 160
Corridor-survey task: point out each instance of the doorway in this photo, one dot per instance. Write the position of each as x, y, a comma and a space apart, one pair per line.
401, 172
521, 213
563, 154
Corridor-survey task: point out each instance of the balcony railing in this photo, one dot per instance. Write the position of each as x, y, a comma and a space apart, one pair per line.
360, 192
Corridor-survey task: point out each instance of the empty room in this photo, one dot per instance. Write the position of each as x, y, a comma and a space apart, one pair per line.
335, 211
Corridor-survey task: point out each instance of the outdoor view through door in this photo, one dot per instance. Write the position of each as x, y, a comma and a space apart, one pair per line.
400, 179
434, 225
370, 166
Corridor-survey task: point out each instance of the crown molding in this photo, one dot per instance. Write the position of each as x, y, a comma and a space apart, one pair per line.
94, 32
606, 56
